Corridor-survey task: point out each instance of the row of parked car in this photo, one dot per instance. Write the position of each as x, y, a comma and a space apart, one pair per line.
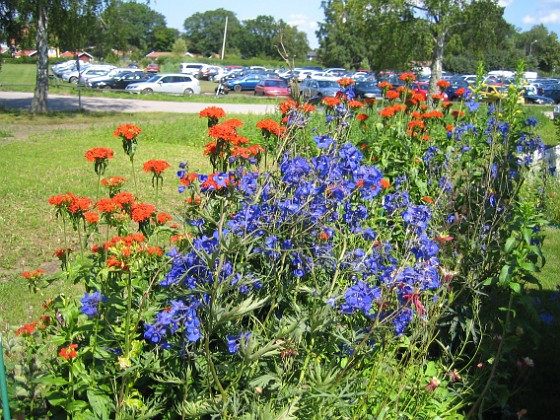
312, 83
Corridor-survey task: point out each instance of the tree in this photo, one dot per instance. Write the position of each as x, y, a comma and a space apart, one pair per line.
262, 36
134, 26
205, 31
60, 17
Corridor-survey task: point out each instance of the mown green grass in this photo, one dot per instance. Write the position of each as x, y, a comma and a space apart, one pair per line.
44, 156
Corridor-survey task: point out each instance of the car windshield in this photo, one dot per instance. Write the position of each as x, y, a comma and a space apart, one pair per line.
328, 84
276, 83
153, 79
367, 85
121, 74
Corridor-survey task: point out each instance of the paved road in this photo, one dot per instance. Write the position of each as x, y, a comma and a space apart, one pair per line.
22, 100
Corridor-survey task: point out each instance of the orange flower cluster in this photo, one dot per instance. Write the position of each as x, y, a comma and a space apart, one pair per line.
125, 249
127, 131
163, 218
188, 178
346, 81
457, 113
269, 127
69, 352
331, 101
62, 253
392, 94
362, 117
391, 110
224, 131
98, 153
212, 112
142, 212
290, 105
113, 181
33, 275
156, 166
74, 204
91, 217
407, 77
384, 85
29, 329
247, 152
443, 84
355, 104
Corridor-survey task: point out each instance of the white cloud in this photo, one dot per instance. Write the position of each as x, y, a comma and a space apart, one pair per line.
553, 16
504, 3
301, 21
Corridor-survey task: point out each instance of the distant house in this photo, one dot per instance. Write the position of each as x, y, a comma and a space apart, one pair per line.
154, 55
25, 53
84, 56
311, 56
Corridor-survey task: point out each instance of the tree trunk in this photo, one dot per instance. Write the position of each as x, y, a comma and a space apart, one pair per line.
437, 65
39, 103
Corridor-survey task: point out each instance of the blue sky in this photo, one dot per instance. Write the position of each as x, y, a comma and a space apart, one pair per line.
305, 14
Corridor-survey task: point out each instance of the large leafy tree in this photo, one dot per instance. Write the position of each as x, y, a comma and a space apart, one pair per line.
265, 37
205, 31
62, 19
131, 26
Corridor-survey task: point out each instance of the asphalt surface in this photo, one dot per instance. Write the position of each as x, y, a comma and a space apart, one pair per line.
22, 101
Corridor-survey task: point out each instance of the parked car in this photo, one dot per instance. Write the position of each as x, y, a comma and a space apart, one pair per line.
91, 72
68, 65
244, 83
192, 68
367, 89
532, 98
119, 80
117, 70
74, 75
495, 93
314, 90
272, 87
180, 84
152, 68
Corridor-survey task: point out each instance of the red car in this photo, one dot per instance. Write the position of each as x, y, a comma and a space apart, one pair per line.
152, 68
422, 89
272, 87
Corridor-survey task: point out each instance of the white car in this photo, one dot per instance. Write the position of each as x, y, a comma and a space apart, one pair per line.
179, 84
73, 76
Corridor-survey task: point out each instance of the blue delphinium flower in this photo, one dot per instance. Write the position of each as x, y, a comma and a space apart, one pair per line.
402, 320
235, 342
360, 297
169, 321
90, 303
323, 142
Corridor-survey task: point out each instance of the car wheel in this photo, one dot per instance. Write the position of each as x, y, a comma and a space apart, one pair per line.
73, 79
106, 87
237, 88
188, 92
255, 93
147, 91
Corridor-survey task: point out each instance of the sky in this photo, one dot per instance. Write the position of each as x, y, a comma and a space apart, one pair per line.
305, 14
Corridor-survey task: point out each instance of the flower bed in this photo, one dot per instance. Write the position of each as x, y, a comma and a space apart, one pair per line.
351, 270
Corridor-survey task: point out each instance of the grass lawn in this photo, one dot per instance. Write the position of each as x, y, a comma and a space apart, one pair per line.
45, 157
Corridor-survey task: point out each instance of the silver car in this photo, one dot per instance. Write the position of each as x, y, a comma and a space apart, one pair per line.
178, 84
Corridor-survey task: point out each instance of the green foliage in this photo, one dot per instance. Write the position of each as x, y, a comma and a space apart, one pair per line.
258, 311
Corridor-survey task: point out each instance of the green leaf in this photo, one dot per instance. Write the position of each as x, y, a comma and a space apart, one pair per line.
100, 403
509, 244
515, 287
51, 380
505, 274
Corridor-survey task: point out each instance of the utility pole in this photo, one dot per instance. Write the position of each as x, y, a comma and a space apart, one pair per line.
224, 43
